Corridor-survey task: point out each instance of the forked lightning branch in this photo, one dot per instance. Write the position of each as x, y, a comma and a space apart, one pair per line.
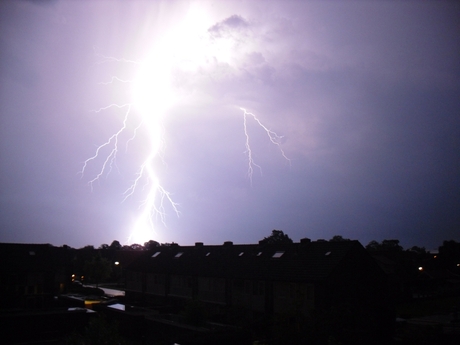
152, 95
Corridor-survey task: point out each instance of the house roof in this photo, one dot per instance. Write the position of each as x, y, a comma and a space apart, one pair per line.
295, 261
19, 257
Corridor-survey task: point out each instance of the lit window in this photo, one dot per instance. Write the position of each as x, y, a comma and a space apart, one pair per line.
156, 254
178, 255
277, 255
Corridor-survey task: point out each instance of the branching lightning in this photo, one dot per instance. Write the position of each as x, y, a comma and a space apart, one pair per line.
273, 137
146, 180
151, 94
112, 142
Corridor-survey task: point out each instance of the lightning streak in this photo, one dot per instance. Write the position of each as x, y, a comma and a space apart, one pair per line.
273, 137
151, 94
107, 165
150, 110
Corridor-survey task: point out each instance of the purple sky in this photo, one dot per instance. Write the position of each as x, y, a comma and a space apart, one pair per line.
366, 97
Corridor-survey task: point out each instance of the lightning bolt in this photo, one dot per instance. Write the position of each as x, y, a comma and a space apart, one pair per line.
150, 95
153, 207
112, 142
273, 137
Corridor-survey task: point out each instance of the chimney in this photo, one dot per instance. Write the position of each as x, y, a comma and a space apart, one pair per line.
228, 243
305, 240
199, 244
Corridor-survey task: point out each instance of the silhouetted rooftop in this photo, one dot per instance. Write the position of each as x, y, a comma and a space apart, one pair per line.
304, 261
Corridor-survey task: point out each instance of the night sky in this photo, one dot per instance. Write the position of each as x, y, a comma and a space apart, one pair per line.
364, 98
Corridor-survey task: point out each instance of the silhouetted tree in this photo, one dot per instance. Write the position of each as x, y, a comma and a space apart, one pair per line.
418, 250
338, 238
385, 245
277, 236
104, 246
136, 246
151, 244
168, 244
115, 245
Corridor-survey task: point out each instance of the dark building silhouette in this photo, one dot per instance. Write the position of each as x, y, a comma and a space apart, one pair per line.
32, 274
334, 287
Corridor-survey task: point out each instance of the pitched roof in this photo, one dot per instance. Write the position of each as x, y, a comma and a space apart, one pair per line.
31, 257
296, 261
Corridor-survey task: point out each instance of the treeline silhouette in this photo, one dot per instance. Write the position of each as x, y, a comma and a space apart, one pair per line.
449, 248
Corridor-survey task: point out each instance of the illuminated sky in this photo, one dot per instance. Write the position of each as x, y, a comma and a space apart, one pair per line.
364, 96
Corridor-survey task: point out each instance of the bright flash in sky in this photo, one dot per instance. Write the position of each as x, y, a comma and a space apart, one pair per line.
152, 93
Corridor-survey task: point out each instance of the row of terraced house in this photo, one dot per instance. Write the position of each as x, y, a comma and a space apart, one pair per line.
294, 280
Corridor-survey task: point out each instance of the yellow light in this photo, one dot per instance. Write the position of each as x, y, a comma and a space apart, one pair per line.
420, 268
